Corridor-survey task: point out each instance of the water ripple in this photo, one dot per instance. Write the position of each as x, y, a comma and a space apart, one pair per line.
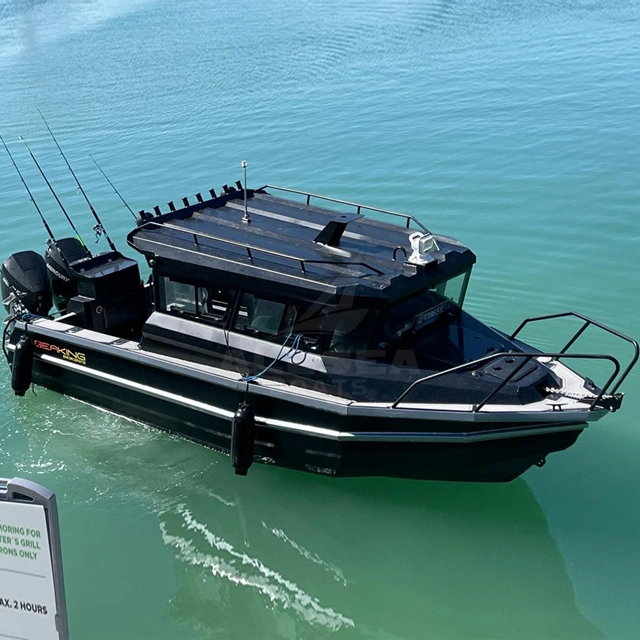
336, 572
265, 581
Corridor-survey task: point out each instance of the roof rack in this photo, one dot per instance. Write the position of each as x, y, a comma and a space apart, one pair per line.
250, 248
408, 218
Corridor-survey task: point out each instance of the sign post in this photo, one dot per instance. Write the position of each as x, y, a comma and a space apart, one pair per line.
32, 601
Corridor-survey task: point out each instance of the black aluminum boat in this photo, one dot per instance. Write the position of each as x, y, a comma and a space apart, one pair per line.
303, 331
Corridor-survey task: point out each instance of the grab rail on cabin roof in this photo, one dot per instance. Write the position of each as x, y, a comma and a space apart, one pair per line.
526, 357
249, 248
408, 218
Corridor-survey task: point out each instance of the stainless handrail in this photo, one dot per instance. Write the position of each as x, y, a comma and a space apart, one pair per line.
409, 218
511, 354
579, 332
556, 356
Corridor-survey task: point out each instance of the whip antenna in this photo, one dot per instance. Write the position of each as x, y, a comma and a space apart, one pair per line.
99, 228
66, 215
35, 204
113, 187
245, 217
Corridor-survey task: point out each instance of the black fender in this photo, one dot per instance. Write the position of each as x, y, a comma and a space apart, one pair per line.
243, 435
22, 366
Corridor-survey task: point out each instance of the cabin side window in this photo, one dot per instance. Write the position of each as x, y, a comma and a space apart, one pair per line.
266, 318
215, 304
352, 330
313, 323
176, 297
206, 303
273, 320
456, 288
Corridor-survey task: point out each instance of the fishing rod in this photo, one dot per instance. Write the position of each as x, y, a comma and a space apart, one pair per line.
55, 196
113, 187
35, 204
99, 228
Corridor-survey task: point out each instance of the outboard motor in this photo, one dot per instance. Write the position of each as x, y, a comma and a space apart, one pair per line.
25, 274
58, 257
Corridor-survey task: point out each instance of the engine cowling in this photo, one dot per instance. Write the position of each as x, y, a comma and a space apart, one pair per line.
25, 274
58, 257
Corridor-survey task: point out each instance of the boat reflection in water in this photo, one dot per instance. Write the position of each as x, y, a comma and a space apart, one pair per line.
280, 554
368, 558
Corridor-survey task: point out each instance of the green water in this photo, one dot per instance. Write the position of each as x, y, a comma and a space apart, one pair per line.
511, 125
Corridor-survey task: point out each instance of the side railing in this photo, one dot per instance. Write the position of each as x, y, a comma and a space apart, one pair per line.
358, 206
526, 357
587, 323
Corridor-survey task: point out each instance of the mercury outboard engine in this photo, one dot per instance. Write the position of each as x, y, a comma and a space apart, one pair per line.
58, 257
25, 274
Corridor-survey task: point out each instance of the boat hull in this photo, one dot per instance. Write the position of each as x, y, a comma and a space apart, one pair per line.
302, 437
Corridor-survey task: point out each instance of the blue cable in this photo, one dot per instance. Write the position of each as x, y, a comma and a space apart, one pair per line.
293, 349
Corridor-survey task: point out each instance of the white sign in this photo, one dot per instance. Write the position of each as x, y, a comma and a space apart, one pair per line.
27, 593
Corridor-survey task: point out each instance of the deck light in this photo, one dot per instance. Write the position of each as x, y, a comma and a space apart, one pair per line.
422, 245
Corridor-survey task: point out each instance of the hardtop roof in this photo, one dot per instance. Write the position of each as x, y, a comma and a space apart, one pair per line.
209, 241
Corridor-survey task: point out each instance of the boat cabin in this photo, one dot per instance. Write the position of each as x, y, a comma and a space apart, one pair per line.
342, 283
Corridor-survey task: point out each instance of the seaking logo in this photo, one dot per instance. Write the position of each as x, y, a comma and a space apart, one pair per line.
67, 354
